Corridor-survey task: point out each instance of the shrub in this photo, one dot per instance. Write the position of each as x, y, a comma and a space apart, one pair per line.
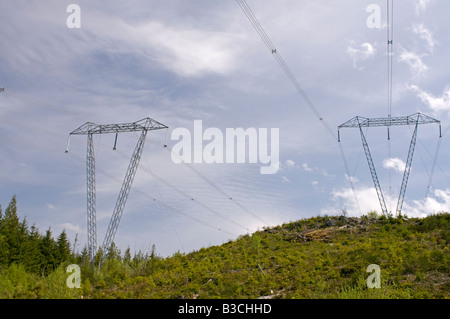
54, 286
15, 282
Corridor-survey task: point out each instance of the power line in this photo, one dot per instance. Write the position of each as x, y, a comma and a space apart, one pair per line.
207, 180
53, 108
167, 210
212, 184
390, 54
76, 116
352, 176
153, 199
272, 49
390, 51
191, 198
34, 101
435, 158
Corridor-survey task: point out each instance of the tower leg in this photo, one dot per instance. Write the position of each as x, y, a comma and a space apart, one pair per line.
91, 219
406, 173
373, 173
124, 191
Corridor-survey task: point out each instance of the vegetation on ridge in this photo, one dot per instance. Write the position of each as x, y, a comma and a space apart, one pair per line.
319, 257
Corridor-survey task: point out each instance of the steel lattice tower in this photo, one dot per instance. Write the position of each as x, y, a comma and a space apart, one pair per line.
89, 129
416, 120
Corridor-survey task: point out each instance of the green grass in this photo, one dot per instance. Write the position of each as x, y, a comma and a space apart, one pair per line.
320, 257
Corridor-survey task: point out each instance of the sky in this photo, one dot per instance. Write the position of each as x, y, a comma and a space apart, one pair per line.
183, 61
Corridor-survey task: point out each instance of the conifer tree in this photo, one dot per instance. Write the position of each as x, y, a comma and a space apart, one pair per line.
24, 244
83, 258
11, 231
127, 255
36, 258
63, 247
4, 252
49, 252
21, 245
98, 257
113, 252
11, 210
4, 248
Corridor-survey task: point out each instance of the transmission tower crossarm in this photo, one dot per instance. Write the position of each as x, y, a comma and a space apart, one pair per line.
144, 124
373, 173
417, 118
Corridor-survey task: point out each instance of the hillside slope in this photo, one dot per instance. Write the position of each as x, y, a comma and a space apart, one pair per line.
320, 257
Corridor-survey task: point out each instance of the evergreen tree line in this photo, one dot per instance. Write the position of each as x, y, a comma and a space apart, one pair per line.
20, 244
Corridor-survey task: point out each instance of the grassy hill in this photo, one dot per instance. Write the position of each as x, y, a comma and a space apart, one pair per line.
320, 257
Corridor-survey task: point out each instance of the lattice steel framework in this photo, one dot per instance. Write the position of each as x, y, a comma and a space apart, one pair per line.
416, 120
91, 196
89, 129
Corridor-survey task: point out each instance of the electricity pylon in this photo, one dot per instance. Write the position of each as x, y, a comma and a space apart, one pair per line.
416, 120
89, 129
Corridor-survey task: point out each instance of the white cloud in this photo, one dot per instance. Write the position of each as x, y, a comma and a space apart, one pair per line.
314, 183
421, 6
285, 179
421, 208
414, 61
188, 51
328, 175
437, 104
363, 200
352, 179
306, 168
394, 163
360, 55
425, 34
75, 228
290, 163
358, 201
